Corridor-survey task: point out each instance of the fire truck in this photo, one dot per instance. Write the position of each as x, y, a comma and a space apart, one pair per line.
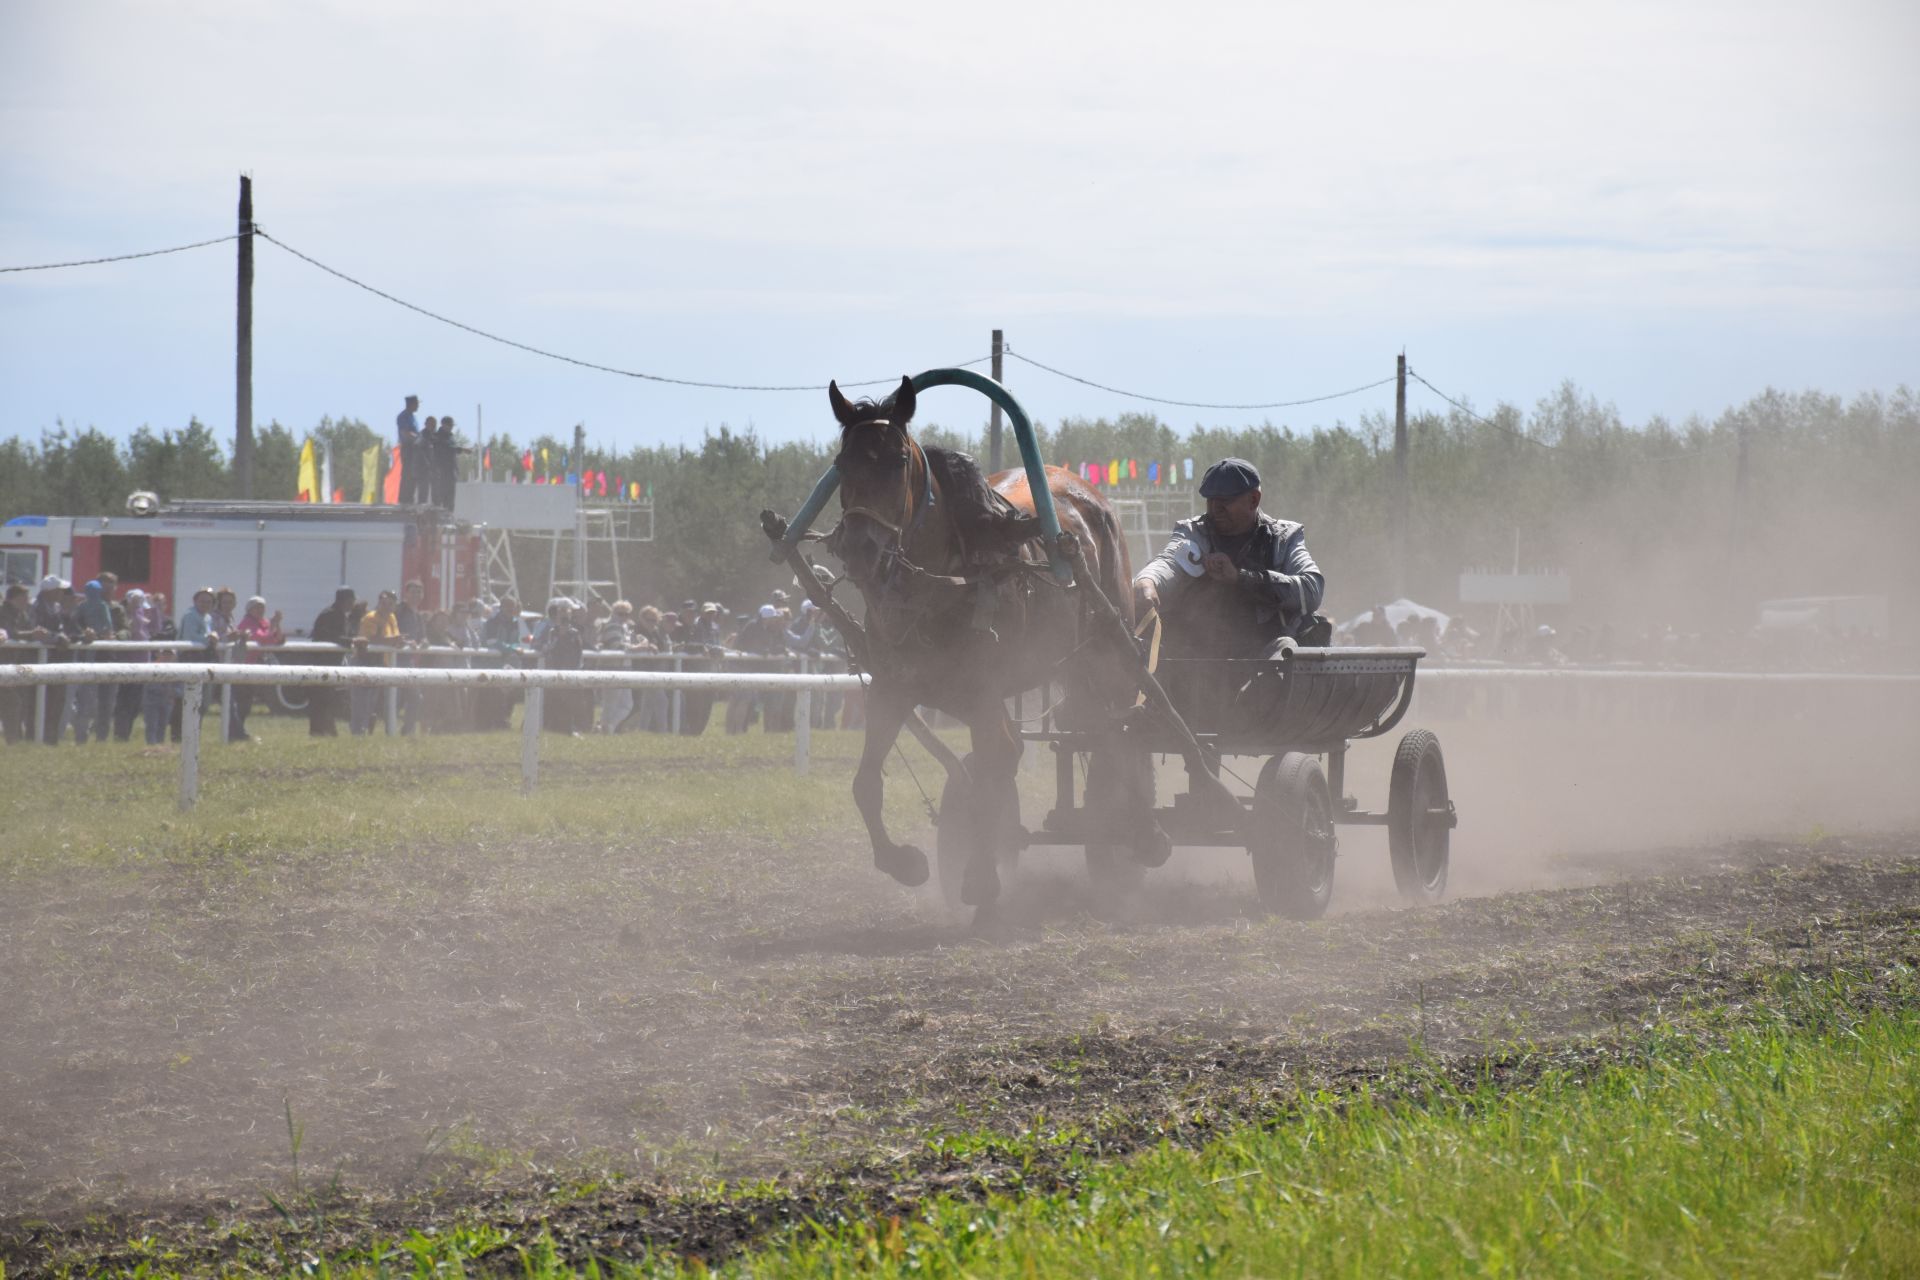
294, 553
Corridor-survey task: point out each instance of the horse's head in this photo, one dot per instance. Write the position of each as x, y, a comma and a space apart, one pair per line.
883, 480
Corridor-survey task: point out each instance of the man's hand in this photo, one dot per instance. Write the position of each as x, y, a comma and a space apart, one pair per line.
1145, 596
1220, 567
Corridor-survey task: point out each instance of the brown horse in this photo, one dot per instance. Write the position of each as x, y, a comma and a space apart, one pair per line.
962, 613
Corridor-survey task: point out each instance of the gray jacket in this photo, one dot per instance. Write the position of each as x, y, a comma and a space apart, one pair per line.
1288, 586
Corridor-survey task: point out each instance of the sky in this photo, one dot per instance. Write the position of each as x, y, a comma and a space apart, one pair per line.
1673, 205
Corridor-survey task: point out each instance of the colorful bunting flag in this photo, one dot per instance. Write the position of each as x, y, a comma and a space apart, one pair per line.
307, 487
390, 487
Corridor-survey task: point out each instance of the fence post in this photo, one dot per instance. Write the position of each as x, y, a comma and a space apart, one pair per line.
226, 696
190, 702
802, 721
530, 740
40, 703
679, 701
393, 711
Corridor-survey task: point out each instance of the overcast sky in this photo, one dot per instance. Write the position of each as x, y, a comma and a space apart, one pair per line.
1673, 204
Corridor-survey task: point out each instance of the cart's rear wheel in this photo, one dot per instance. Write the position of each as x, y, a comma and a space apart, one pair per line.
1293, 843
1419, 818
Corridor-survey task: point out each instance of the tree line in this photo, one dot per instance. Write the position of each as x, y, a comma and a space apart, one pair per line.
1789, 494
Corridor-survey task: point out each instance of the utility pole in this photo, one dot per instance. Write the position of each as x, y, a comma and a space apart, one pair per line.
993, 430
243, 349
1400, 494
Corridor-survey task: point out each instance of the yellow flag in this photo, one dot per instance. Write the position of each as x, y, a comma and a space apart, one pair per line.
370, 474
1113, 473
308, 486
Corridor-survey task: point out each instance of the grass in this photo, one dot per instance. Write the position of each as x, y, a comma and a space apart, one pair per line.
298, 795
1784, 1150
1779, 1139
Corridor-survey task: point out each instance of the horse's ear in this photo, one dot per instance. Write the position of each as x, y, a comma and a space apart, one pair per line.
902, 401
843, 412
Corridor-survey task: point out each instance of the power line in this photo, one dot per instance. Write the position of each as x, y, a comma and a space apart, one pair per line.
1188, 404
124, 257
555, 355
1498, 426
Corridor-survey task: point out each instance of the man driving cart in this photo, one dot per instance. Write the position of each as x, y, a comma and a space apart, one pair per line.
1233, 582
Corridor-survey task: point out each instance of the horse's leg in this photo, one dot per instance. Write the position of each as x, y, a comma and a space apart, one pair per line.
994, 765
887, 711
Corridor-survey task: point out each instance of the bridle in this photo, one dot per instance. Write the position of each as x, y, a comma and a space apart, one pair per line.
913, 514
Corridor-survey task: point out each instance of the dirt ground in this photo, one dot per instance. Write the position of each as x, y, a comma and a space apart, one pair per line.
585, 1033
492, 1032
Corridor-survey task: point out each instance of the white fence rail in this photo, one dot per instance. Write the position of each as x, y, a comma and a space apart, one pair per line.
1486, 684
197, 676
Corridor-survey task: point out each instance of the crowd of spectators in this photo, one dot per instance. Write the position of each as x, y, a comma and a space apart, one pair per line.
396, 628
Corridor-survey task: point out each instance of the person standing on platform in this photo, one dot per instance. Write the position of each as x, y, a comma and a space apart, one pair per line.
443, 464
407, 435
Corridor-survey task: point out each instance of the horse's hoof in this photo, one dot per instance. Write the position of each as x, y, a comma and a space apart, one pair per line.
904, 863
1153, 847
980, 882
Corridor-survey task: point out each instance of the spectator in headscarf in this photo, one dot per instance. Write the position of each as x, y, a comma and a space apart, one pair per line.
254, 630
131, 697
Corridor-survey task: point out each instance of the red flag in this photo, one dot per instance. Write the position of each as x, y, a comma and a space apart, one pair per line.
390, 488
526, 462
339, 495
620, 485
1133, 470
600, 483
486, 461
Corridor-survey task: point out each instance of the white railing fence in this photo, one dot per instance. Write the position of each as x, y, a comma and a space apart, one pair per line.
1565, 693
195, 677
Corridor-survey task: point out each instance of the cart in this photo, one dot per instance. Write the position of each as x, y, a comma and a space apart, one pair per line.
1297, 708
1301, 711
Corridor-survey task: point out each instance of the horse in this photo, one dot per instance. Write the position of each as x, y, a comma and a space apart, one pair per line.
963, 613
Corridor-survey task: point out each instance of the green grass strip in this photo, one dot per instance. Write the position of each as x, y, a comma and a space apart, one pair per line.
1784, 1155
1785, 1152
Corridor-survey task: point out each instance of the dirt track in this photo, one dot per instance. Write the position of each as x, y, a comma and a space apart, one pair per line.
495, 1023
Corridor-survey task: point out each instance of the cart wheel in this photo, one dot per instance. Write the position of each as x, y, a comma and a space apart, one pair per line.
1294, 845
1419, 818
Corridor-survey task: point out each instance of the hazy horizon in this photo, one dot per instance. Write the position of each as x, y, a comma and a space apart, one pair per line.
1673, 209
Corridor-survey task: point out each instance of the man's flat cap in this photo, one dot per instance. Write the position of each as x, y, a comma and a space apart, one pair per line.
1229, 478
